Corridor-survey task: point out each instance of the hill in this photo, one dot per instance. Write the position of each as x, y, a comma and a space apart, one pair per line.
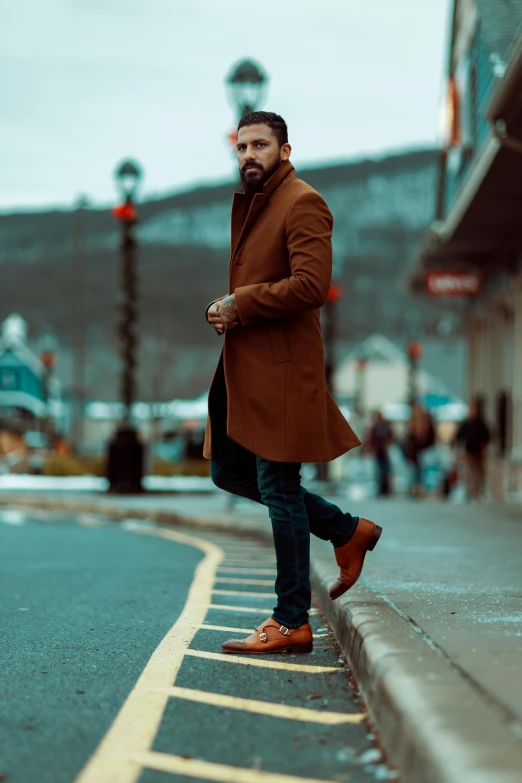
380, 207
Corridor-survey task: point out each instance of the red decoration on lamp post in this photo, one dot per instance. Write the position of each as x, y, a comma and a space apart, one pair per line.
126, 213
232, 138
415, 350
48, 359
335, 293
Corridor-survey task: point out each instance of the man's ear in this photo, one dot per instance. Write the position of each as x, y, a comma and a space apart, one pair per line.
284, 152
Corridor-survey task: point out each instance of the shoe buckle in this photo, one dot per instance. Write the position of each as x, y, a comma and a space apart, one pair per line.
263, 636
284, 630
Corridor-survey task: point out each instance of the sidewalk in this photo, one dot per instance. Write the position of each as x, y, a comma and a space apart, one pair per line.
433, 631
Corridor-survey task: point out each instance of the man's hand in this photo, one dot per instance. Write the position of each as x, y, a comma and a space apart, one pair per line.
227, 309
214, 318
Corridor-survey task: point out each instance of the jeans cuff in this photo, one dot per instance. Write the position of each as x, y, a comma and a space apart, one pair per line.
344, 540
292, 626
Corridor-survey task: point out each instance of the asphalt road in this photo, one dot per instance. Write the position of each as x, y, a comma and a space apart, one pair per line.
93, 611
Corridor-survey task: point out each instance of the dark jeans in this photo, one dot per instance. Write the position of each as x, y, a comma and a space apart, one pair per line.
294, 512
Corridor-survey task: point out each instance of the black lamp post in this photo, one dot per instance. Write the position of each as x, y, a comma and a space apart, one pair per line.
246, 85
125, 458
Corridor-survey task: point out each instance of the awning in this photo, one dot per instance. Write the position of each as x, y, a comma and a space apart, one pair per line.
484, 227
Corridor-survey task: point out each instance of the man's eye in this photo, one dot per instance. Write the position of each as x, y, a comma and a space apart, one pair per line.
260, 144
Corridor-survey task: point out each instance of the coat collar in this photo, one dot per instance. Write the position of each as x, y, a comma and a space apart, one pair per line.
245, 212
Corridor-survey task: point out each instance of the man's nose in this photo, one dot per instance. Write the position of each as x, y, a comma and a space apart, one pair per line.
250, 154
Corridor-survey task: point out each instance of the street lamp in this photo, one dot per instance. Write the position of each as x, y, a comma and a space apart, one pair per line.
330, 334
48, 345
80, 325
125, 458
246, 85
414, 351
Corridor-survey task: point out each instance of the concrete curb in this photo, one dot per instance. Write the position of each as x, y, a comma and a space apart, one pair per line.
436, 725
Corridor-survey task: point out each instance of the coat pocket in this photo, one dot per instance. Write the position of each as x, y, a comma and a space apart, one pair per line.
279, 343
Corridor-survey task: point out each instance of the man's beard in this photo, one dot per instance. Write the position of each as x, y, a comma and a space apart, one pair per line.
252, 184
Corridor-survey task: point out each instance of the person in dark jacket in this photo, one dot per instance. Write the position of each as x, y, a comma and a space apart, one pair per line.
421, 434
473, 437
380, 440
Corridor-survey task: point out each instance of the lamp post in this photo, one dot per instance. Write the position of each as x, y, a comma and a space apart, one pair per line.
330, 334
48, 345
125, 458
79, 320
330, 338
415, 351
412, 324
246, 85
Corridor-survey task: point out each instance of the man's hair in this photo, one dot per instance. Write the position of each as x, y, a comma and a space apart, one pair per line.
274, 121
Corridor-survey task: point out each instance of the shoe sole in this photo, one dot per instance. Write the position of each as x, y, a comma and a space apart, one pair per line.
297, 648
372, 543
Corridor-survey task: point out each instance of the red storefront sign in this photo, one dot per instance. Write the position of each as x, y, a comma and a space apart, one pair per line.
454, 283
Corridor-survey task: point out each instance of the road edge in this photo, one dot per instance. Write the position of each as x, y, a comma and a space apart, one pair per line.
435, 726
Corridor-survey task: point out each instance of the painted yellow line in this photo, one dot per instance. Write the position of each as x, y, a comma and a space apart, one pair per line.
231, 580
249, 561
264, 707
218, 773
248, 609
264, 571
249, 660
135, 726
227, 628
243, 630
89, 520
244, 592
232, 548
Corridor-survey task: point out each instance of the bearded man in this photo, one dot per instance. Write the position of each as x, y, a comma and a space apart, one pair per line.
269, 409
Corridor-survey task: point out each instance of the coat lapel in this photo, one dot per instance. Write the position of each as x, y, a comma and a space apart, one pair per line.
244, 218
257, 205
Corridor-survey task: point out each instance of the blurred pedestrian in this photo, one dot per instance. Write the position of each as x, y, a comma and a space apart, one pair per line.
380, 440
269, 409
420, 435
473, 437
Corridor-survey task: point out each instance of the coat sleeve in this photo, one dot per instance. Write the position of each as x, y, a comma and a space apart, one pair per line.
309, 240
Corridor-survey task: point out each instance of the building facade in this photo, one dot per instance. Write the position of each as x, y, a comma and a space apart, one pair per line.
474, 245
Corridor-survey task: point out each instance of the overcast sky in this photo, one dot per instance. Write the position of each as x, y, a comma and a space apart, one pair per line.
87, 82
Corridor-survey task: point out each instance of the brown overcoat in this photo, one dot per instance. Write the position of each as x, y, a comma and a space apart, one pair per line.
280, 272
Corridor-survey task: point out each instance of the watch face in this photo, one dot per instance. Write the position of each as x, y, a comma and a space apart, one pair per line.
9, 379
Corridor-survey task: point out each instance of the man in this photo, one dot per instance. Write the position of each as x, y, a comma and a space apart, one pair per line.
269, 409
381, 438
473, 437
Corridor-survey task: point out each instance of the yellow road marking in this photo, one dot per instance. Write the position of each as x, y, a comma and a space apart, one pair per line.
251, 661
89, 520
218, 773
226, 628
135, 726
231, 580
252, 562
272, 709
244, 630
241, 609
232, 548
244, 592
232, 570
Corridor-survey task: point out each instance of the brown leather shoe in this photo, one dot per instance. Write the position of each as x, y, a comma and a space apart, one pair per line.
350, 557
272, 637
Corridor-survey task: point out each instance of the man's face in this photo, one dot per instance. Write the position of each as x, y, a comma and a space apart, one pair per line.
259, 156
